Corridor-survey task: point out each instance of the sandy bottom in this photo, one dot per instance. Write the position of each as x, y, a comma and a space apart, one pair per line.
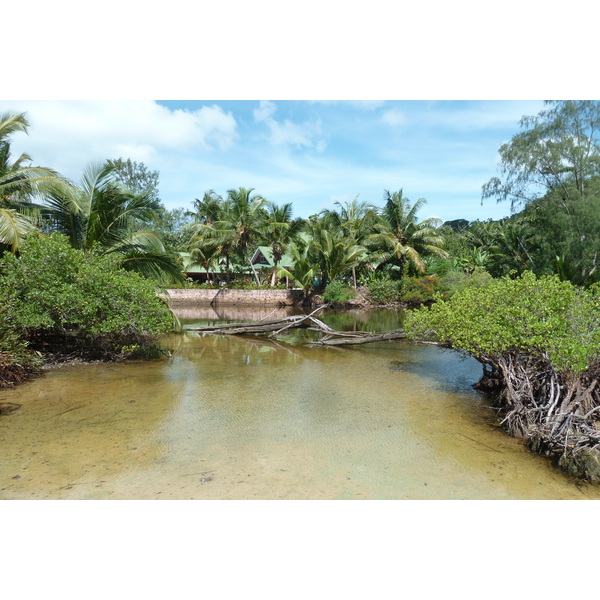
235, 419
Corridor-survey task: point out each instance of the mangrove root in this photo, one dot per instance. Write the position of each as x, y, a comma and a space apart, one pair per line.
556, 413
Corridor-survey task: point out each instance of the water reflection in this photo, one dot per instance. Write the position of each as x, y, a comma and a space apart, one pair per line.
233, 313
235, 417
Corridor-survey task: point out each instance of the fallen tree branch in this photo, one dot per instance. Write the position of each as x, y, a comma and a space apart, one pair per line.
278, 326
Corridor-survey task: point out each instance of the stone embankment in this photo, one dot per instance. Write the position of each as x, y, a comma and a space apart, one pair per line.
229, 296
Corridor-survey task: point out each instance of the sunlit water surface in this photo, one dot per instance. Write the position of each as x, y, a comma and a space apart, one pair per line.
240, 418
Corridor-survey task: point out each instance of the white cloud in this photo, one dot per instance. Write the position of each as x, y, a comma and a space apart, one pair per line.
287, 133
67, 135
265, 111
394, 117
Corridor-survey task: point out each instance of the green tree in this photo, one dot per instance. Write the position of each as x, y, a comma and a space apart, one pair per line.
207, 210
137, 178
325, 256
278, 230
403, 240
552, 170
21, 185
97, 214
567, 242
238, 228
173, 227
510, 248
357, 220
63, 300
558, 151
539, 342
205, 252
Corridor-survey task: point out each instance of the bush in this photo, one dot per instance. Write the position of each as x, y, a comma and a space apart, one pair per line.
384, 291
336, 291
456, 281
544, 317
17, 362
418, 290
64, 300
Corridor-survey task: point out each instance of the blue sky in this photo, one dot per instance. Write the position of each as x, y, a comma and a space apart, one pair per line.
310, 153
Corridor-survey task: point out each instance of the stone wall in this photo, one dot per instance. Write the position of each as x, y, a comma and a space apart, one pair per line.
227, 296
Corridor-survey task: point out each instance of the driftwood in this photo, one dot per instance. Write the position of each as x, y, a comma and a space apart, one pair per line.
275, 327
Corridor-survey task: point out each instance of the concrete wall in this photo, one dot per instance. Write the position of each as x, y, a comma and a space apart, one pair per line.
227, 296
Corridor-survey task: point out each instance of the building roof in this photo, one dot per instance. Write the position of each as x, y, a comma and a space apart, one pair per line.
263, 256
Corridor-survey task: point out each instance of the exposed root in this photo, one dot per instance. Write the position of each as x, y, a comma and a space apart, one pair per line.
558, 413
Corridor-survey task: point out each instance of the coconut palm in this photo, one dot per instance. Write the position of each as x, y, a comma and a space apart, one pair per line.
357, 221
98, 215
238, 227
278, 230
21, 185
401, 239
208, 209
327, 255
509, 248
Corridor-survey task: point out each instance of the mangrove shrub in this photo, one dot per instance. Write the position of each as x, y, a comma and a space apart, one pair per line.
539, 341
65, 301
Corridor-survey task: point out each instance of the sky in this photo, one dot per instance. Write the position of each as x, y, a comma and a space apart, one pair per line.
457, 78
310, 153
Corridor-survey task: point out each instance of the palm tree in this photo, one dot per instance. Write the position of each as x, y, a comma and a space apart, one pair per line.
239, 226
401, 239
208, 209
509, 248
99, 215
278, 230
205, 253
357, 221
326, 256
20, 185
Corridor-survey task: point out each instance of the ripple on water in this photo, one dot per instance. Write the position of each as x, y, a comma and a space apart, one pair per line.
240, 418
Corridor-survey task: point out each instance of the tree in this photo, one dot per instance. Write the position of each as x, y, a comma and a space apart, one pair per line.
539, 342
567, 242
61, 299
327, 255
552, 169
401, 239
137, 178
357, 220
510, 248
558, 151
173, 227
205, 252
98, 215
207, 210
238, 227
278, 231
20, 185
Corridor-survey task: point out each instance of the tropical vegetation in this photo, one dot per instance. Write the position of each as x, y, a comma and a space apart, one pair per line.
58, 300
549, 172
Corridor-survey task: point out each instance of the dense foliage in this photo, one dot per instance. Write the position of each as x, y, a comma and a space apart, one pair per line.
57, 298
528, 316
539, 340
336, 291
550, 171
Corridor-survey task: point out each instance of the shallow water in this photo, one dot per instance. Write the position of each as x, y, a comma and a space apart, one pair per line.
239, 418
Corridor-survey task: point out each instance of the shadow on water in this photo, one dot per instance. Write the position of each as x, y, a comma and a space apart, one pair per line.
246, 418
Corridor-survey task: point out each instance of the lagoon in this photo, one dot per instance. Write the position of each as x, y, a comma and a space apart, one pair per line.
245, 418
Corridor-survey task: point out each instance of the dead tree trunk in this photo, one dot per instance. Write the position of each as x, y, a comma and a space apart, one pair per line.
276, 327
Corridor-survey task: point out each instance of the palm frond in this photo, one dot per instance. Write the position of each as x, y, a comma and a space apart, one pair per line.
13, 228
